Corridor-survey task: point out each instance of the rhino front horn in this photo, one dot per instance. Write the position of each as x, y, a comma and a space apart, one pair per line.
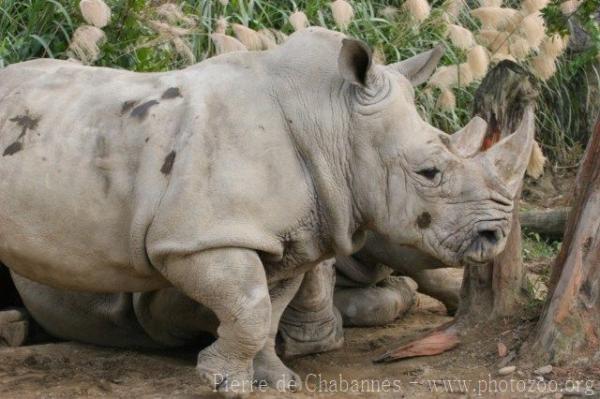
467, 141
511, 155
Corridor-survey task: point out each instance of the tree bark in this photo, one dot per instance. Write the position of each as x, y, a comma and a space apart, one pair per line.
496, 290
569, 328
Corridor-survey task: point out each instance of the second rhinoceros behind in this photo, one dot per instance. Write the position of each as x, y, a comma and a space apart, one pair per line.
233, 177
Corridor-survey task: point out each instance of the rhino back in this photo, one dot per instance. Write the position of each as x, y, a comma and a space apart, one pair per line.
104, 170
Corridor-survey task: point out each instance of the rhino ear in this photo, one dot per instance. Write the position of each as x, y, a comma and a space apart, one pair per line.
354, 61
419, 68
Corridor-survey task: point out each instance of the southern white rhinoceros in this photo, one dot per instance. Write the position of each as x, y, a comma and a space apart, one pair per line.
230, 179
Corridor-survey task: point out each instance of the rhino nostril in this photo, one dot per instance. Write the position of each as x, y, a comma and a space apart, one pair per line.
491, 236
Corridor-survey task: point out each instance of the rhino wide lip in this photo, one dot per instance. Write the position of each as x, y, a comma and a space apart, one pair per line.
470, 254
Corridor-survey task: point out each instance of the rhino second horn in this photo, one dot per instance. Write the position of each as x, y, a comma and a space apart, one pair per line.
511, 155
467, 141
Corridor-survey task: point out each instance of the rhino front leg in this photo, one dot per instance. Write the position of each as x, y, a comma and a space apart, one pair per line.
268, 367
232, 283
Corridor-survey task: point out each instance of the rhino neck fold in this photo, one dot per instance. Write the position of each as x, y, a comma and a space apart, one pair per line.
320, 139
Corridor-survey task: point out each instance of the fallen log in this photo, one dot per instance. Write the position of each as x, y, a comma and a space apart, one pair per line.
546, 222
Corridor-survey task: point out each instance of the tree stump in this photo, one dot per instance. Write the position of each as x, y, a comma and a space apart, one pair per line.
569, 328
496, 290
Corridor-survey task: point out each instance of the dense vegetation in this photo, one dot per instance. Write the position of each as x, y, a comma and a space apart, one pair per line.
45, 28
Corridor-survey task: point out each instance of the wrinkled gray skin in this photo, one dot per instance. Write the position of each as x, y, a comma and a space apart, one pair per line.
230, 179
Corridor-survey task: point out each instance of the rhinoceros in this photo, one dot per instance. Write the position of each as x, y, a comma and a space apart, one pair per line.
365, 294
230, 179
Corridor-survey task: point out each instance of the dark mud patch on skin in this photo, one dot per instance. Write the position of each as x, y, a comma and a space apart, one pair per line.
424, 220
127, 105
26, 122
101, 153
13, 148
168, 164
141, 111
171, 92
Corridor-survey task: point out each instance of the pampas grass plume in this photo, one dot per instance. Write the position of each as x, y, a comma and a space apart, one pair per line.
495, 17
85, 43
531, 6
461, 37
95, 12
342, 13
535, 168
570, 6
533, 29
379, 55
519, 48
226, 44
454, 7
221, 25
298, 20
389, 12
184, 50
465, 75
419, 9
497, 57
267, 38
478, 61
553, 45
173, 14
491, 3
543, 66
446, 101
444, 77
492, 39
248, 37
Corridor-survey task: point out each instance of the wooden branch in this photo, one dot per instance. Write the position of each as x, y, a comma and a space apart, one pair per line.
547, 222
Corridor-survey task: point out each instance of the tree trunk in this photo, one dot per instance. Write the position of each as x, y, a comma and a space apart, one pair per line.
569, 328
496, 290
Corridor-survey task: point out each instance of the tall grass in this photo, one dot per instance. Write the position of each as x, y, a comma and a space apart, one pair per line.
42, 28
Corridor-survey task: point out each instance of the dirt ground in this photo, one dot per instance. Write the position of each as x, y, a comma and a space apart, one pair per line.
67, 370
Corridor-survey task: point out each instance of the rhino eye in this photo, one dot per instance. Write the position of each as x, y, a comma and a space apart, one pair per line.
429, 173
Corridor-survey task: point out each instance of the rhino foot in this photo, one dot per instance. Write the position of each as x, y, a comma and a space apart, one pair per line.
375, 306
270, 371
14, 327
300, 337
226, 375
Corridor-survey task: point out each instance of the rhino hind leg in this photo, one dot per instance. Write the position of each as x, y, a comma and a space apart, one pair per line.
268, 367
311, 324
14, 327
376, 305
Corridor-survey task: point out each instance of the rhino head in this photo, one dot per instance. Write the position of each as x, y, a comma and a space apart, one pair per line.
417, 185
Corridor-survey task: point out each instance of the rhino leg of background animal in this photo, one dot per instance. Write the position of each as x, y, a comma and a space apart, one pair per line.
268, 368
441, 284
375, 305
232, 283
101, 319
311, 324
14, 327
